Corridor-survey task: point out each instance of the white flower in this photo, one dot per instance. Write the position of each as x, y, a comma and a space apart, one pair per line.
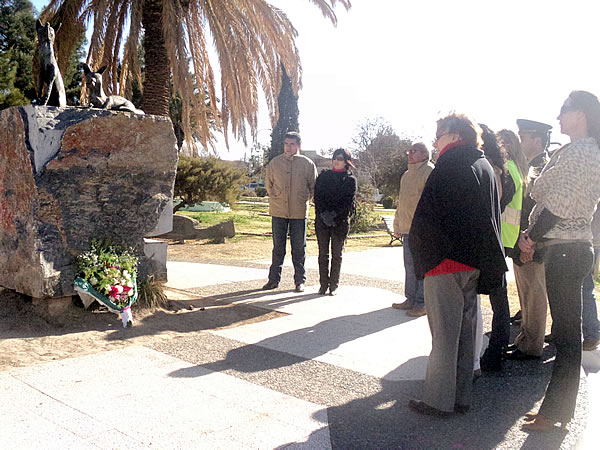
126, 273
130, 293
93, 281
119, 288
130, 284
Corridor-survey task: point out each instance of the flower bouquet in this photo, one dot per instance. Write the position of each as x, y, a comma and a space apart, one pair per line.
107, 274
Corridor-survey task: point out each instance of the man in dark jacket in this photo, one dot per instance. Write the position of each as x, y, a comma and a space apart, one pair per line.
458, 250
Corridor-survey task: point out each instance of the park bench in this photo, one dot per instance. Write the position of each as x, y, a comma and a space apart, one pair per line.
389, 227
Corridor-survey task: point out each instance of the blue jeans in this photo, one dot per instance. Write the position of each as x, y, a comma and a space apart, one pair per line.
413, 288
591, 325
297, 233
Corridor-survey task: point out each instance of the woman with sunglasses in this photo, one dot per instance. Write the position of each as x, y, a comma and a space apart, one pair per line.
334, 201
566, 194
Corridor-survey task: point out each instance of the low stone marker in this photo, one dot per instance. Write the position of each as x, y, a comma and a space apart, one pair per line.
188, 228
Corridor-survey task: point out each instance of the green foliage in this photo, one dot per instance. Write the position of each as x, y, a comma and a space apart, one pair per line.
17, 34
287, 104
73, 74
151, 294
366, 191
260, 191
364, 218
110, 269
200, 179
388, 202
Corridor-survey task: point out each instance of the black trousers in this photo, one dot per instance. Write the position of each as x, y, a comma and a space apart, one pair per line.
336, 236
566, 267
500, 334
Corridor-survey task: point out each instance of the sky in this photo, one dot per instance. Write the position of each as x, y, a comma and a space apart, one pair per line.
411, 62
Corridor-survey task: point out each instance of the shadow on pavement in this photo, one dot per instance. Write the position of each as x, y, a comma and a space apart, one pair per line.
383, 420
309, 342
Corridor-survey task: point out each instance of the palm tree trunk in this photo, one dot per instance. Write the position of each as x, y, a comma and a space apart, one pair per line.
157, 73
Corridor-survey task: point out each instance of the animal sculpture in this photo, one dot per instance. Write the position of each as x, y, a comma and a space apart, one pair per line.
99, 99
51, 88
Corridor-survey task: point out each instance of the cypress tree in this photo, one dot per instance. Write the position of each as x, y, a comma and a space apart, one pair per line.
287, 103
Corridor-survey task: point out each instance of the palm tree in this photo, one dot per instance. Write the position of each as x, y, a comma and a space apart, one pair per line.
252, 40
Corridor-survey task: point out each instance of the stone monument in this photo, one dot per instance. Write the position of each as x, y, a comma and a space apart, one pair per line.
71, 175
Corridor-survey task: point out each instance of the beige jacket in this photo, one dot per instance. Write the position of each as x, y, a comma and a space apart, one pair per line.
290, 184
411, 187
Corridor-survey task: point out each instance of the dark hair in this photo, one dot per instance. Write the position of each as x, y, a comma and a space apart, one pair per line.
590, 106
494, 153
347, 157
512, 145
293, 135
469, 131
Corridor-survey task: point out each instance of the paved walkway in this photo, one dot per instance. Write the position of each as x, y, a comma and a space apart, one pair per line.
330, 372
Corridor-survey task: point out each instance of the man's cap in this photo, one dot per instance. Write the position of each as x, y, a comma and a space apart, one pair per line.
531, 126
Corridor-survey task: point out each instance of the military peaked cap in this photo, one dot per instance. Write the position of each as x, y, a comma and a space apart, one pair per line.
531, 126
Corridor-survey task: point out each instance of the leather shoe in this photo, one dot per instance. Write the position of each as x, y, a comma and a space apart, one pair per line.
461, 409
491, 362
416, 312
548, 338
300, 287
518, 355
590, 344
332, 291
322, 290
404, 305
511, 347
270, 285
540, 424
516, 318
423, 408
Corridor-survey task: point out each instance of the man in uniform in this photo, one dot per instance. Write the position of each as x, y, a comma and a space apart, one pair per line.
530, 276
290, 184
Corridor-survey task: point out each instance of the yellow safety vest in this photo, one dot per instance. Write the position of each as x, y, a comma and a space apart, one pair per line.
511, 217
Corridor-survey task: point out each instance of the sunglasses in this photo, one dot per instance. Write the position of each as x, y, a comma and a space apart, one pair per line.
339, 158
565, 109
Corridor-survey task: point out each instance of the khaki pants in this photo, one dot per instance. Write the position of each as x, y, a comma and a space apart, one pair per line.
531, 285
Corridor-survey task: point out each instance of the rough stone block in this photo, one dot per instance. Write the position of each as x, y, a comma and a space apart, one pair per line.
71, 175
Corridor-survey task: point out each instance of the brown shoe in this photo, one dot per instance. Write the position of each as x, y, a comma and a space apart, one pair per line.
416, 312
404, 305
590, 344
541, 424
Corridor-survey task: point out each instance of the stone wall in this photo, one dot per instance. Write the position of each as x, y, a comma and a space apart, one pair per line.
70, 175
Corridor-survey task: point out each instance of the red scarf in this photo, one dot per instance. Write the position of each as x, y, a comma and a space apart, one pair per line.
451, 145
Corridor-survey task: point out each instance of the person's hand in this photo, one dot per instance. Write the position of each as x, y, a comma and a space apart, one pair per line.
526, 257
526, 244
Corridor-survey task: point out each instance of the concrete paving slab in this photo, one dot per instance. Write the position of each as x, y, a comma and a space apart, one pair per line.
129, 398
380, 263
355, 329
184, 275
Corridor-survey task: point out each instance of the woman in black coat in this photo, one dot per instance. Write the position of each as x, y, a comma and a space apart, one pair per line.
334, 201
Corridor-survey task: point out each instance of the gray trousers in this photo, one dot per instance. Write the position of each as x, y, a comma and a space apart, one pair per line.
451, 302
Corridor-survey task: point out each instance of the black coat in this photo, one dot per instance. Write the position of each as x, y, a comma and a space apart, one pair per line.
458, 218
334, 197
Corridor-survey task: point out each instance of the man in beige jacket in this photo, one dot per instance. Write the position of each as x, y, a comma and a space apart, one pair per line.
290, 184
411, 187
